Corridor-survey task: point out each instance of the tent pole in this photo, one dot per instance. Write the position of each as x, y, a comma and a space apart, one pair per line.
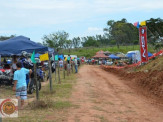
35, 77
50, 72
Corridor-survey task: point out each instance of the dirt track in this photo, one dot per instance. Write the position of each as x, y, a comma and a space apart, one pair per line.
101, 96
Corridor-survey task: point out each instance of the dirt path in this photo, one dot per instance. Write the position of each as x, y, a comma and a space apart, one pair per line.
101, 96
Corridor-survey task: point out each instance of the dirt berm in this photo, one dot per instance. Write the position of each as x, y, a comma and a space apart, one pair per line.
147, 83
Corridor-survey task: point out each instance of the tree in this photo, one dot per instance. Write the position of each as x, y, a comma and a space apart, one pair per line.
68, 44
155, 32
102, 40
121, 31
76, 42
56, 40
2, 38
90, 41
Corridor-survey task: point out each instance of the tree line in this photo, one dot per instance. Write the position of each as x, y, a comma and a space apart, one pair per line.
118, 33
115, 33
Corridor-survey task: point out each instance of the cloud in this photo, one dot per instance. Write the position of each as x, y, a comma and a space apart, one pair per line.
50, 12
84, 16
92, 31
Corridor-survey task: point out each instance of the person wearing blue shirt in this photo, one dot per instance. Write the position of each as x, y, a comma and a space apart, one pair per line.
20, 85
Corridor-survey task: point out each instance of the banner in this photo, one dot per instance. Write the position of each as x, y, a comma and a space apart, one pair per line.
56, 57
44, 57
136, 24
143, 23
33, 57
143, 44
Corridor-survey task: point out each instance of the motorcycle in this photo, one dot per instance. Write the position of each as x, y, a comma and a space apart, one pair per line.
6, 77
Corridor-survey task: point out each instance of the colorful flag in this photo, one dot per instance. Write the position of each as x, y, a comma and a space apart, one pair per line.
33, 57
143, 23
65, 58
56, 57
136, 24
44, 57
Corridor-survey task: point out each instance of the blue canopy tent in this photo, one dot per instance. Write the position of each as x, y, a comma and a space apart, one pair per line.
61, 57
112, 56
129, 55
150, 54
16, 45
37, 55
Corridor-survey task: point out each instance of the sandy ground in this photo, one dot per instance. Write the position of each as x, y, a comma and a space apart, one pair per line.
103, 97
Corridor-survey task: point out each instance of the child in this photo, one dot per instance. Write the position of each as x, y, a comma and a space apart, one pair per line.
20, 85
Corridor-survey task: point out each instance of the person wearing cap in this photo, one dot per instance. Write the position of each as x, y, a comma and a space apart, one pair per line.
76, 65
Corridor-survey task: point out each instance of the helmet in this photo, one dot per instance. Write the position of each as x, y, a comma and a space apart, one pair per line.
24, 53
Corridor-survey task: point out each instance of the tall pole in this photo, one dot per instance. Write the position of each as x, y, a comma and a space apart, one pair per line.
50, 72
64, 68
59, 81
55, 70
36, 82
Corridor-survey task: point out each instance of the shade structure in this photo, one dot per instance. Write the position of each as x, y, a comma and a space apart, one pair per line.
100, 55
150, 54
121, 55
37, 55
129, 55
16, 45
112, 56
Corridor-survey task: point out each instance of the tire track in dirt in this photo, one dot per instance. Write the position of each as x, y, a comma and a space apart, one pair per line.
101, 96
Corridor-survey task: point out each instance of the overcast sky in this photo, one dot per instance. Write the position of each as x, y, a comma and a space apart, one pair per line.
35, 18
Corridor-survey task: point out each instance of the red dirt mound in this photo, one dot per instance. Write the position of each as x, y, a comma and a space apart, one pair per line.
149, 84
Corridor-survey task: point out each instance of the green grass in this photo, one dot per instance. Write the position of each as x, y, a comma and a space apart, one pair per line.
152, 65
91, 51
6, 92
50, 104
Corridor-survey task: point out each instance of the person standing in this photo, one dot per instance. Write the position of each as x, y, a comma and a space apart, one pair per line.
61, 64
20, 85
13, 66
68, 64
76, 65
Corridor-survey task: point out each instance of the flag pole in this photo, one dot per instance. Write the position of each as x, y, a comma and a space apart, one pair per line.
50, 74
35, 74
35, 77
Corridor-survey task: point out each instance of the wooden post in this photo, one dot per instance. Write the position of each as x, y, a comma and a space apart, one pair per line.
67, 69
55, 71
72, 67
50, 72
59, 81
64, 69
36, 82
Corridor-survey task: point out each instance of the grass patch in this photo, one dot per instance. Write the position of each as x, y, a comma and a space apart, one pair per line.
152, 65
6, 92
50, 103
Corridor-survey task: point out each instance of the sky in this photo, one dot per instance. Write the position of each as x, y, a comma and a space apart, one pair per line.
36, 18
